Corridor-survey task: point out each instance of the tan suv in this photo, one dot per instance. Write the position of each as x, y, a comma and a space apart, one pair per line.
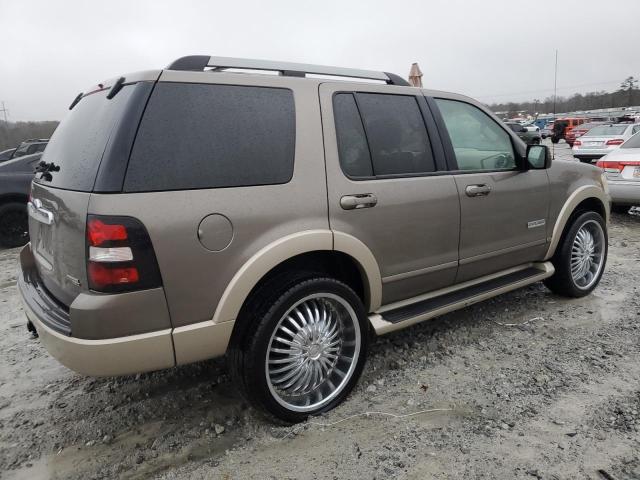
197, 211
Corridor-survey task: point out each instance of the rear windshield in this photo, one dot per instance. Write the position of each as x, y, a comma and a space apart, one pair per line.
79, 141
633, 142
606, 131
210, 136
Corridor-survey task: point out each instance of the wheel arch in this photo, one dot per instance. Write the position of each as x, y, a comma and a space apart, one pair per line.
323, 248
585, 198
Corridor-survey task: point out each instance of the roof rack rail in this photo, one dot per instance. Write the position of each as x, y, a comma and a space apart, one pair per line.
198, 63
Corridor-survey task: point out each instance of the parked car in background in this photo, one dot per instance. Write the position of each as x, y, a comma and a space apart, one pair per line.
6, 154
15, 183
601, 140
547, 130
622, 168
373, 207
562, 126
528, 136
29, 147
580, 130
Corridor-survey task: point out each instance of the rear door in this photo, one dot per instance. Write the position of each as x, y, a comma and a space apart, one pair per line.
388, 185
503, 209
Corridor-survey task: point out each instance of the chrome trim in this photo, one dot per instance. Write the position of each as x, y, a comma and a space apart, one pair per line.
38, 213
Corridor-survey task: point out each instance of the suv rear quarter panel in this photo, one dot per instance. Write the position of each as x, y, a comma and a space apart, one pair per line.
194, 277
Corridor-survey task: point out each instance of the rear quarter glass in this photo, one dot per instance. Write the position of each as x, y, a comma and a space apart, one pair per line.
79, 142
211, 136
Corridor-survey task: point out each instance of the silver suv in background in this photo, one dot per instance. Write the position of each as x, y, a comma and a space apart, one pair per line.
192, 212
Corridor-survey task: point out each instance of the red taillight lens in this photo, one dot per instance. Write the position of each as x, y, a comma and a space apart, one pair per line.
577, 142
101, 275
120, 256
613, 166
615, 141
99, 232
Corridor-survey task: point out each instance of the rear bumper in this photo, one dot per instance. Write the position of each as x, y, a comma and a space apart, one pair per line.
624, 193
113, 356
588, 156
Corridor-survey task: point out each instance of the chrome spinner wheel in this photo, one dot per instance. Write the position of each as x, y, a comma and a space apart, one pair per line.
313, 352
587, 254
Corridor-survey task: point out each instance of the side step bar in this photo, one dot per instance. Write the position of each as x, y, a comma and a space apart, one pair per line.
399, 315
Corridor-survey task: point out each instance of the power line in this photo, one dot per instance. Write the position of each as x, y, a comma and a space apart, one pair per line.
569, 87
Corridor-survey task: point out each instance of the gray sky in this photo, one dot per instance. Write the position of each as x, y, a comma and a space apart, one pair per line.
494, 50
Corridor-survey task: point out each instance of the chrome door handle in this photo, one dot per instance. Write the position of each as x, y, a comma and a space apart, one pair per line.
481, 190
360, 200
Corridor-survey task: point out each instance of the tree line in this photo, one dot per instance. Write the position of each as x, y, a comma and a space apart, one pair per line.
12, 133
626, 96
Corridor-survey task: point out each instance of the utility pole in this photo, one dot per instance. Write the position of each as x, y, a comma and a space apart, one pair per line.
4, 112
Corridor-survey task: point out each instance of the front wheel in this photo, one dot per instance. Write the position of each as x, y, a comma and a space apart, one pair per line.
307, 350
580, 257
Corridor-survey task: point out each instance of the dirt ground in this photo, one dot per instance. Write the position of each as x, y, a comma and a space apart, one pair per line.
527, 385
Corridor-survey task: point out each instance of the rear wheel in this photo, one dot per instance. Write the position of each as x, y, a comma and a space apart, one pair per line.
580, 257
555, 139
535, 141
14, 224
306, 351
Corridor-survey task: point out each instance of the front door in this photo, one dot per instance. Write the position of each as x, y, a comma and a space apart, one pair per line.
503, 208
388, 185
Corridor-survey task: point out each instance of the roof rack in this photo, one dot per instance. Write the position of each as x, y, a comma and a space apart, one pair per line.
198, 63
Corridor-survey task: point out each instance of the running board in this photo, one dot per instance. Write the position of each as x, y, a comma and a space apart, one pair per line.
424, 307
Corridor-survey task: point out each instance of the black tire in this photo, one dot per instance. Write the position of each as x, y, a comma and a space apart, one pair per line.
248, 355
562, 282
14, 225
616, 208
535, 141
555, 139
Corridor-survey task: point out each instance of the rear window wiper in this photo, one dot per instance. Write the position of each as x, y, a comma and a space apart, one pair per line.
45, 169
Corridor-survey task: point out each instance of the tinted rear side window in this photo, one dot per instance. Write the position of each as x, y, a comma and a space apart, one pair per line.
206, 136
396, 133
79, 141
352, 142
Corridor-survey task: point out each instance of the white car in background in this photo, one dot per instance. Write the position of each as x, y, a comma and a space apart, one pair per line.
622, 169
603, 139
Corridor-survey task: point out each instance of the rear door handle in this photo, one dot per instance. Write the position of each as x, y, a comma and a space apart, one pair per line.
360, 200
480, 190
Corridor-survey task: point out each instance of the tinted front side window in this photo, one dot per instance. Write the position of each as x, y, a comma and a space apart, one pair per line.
397, 134
352, 141
478, 141
207, 136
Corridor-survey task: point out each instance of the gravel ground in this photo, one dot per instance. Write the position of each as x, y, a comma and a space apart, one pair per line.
528, 385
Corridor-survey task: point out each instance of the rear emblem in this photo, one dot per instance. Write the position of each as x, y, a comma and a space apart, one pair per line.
73, 280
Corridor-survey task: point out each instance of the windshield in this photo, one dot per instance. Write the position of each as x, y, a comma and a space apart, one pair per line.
606, 131
633, 142
78, 143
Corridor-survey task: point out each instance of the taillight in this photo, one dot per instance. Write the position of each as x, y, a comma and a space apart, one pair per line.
612, 166
615, 141
577, 142
120, 256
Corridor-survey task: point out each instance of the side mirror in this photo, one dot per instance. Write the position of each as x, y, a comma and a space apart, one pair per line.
538, 157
